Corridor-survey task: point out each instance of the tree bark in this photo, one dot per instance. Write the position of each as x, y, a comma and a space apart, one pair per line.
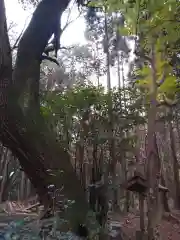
152, 154
175, 167
5, 62
4, 175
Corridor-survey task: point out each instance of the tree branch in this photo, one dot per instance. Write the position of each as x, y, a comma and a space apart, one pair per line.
167, 102
143, 56
162, 79
45, 57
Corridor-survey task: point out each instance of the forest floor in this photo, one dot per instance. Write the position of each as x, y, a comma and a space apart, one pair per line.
168, 229
122, 227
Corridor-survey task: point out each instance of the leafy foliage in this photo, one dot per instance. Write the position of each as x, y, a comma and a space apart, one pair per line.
157, 25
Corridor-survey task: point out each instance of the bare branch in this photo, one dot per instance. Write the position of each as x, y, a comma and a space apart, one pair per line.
69, 22
11, 25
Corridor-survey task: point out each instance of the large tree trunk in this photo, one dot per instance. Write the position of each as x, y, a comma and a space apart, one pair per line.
28, 136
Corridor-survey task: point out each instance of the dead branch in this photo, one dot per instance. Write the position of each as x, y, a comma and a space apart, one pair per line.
69, 22
11, 25
32, 206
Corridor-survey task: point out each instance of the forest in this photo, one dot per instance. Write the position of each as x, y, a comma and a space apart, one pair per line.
89, 133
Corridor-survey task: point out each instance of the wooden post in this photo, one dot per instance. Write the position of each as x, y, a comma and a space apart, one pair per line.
141, 209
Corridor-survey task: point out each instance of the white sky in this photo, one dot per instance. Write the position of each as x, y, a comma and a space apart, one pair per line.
74, 34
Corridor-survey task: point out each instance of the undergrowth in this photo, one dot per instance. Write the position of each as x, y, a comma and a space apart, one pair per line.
47, 229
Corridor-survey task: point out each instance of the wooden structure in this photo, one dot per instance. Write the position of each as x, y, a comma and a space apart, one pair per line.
137, 183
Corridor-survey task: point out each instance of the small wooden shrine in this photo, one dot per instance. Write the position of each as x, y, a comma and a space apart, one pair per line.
163, 189
137, 183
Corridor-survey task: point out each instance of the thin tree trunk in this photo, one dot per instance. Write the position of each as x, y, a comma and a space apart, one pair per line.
107, 53
141, 208
118, 71
1, 153
5, 172
164, 194
83, 133
153, 166
22, 186
9, 184
28, 192
175, 167
81, 162
177, 124
123, 81
111, 120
